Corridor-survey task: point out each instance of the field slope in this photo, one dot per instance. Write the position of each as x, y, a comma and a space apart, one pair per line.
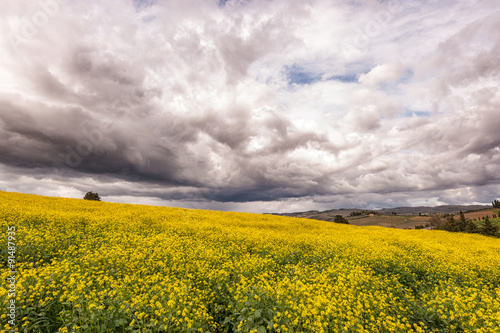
87, 266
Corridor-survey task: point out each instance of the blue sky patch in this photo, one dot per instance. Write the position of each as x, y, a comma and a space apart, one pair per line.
410, 113
299, 75
344, 78
139, 4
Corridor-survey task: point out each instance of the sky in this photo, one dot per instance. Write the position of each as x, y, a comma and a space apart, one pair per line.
252, 105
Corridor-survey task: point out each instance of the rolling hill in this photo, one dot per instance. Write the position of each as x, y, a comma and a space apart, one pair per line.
406, 217
85, 266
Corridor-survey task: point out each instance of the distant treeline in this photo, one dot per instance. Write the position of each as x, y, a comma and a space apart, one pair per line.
364, 212
448, 222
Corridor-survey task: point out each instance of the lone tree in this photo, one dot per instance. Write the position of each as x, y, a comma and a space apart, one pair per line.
496, 204
92, 196
340, 219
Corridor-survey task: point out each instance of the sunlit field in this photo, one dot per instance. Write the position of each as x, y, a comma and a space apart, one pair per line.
84, 266
479, 215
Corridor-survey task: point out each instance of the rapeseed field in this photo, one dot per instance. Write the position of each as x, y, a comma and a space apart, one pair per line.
84, 266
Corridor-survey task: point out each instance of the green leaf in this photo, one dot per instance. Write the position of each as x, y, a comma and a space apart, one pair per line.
120, 322
261, 329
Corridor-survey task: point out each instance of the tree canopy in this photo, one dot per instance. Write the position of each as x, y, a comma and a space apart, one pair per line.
92, 196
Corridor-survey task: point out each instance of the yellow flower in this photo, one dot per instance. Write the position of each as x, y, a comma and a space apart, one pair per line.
178, 269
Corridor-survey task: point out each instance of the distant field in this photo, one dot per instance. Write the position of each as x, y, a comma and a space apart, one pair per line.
407, 220
378, 220
85, 266
397, 221
479, 214
414, 221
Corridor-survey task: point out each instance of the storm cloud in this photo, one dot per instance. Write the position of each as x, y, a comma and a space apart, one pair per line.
252, 105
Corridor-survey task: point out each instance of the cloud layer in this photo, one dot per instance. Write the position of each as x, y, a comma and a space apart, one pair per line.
252, 105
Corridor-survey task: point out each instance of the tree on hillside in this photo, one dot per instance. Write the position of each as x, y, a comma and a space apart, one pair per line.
450, 224
435, 221
466, 225
496, 204
340, 219
462, 222
489, 229
92, 196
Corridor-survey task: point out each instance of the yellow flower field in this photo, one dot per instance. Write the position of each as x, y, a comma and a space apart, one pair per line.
84, 266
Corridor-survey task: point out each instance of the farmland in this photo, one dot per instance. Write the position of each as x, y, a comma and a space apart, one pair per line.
395, 221
84, 266
401, 217
479, 215
389, 221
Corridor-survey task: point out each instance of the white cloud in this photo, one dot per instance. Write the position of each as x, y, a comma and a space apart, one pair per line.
281, 103
385, 73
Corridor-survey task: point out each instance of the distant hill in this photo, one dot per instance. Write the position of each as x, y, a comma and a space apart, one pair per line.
400, 217
324, 215
450, 209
